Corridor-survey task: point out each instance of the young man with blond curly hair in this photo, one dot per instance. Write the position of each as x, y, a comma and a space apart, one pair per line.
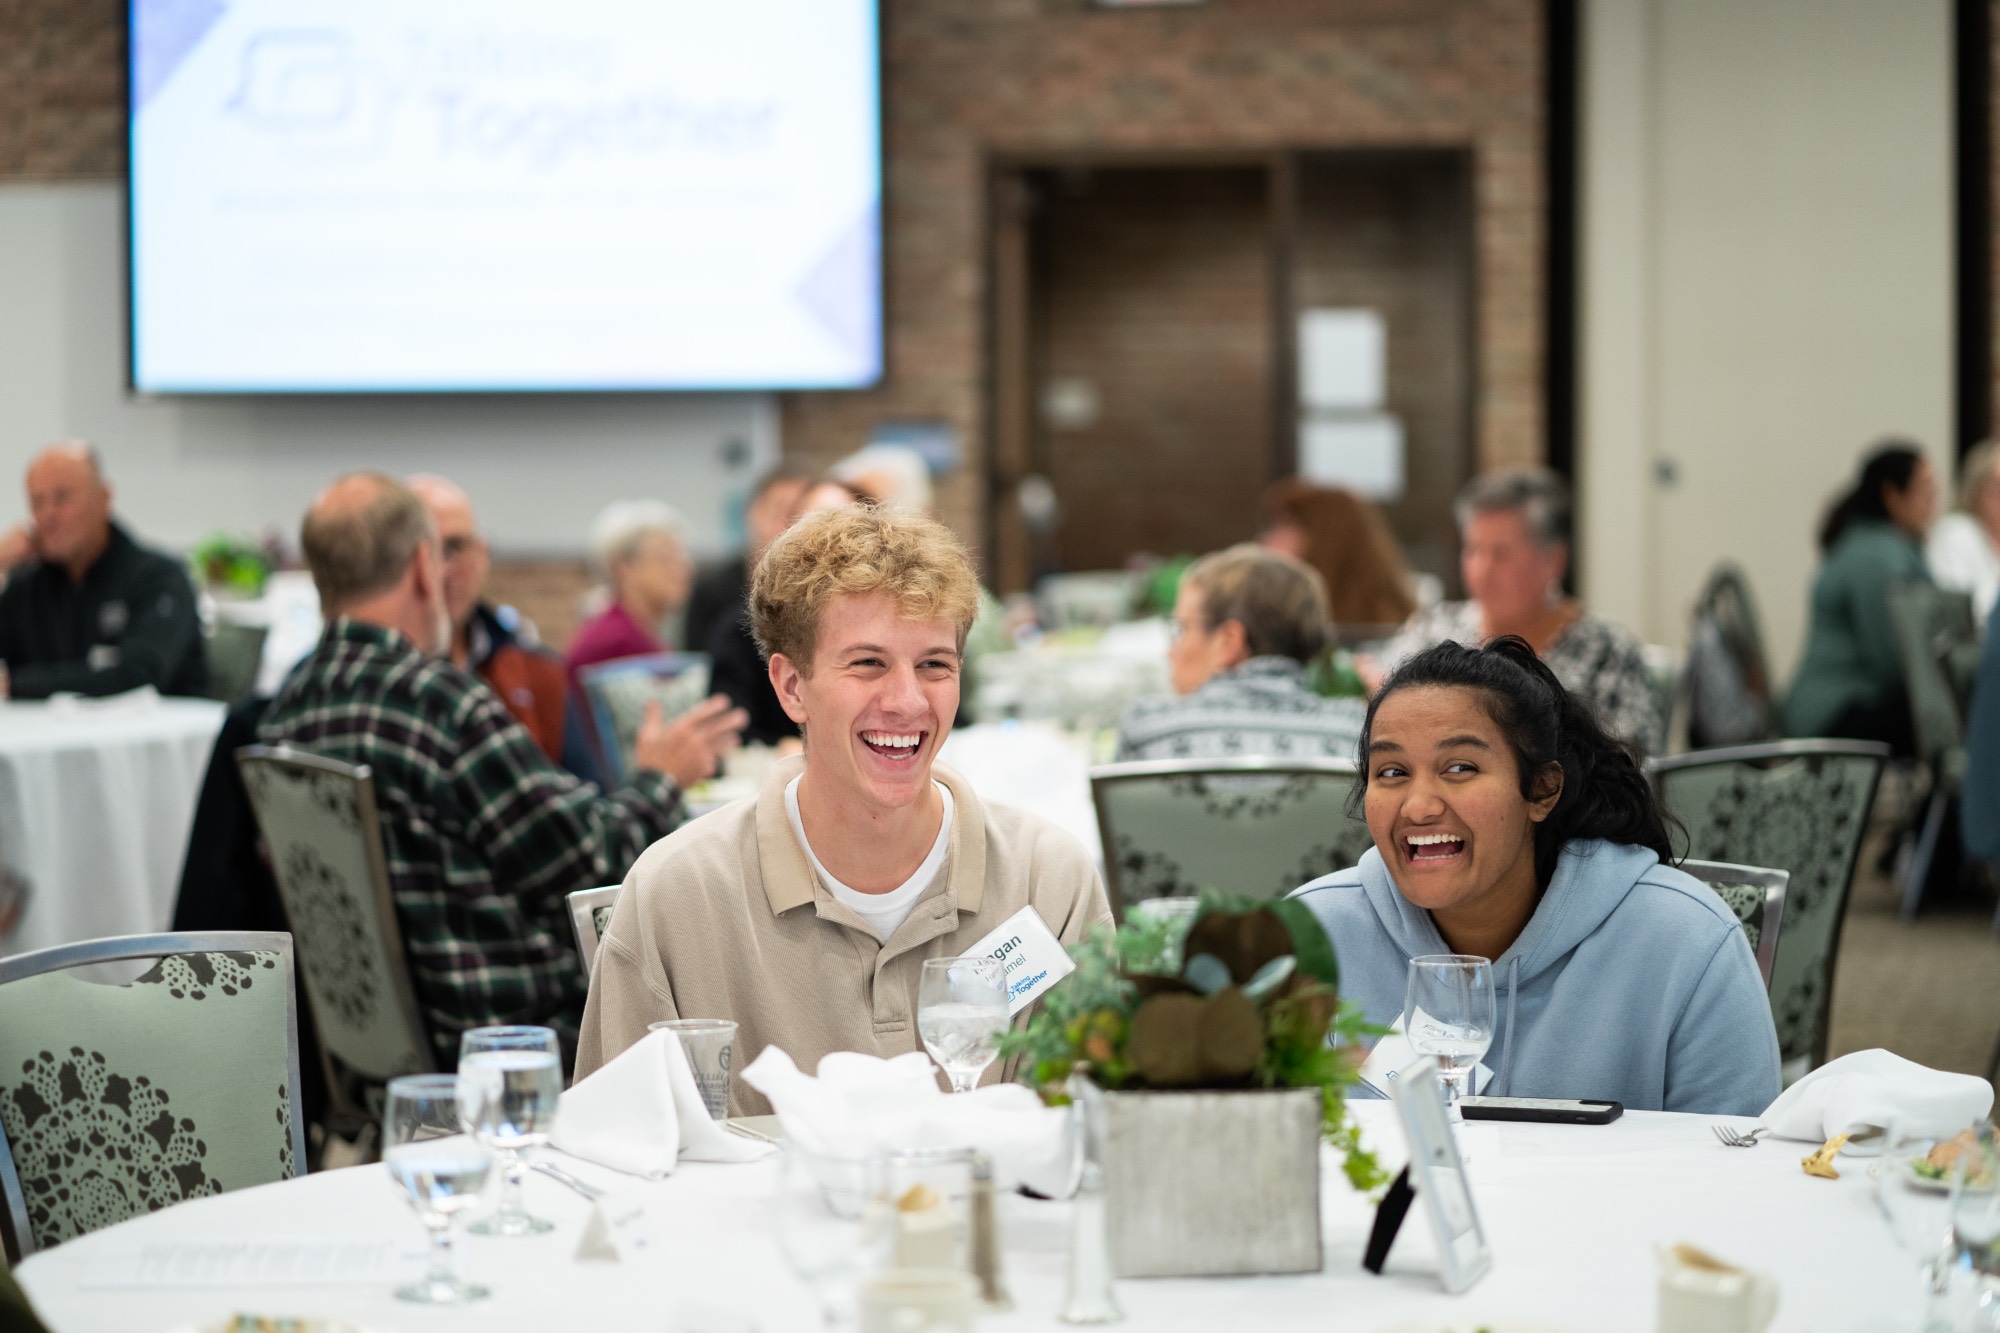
806, 913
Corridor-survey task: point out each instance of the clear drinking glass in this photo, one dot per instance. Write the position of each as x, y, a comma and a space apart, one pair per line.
709, 1044
926, 1198
441, 1167
1917, 1205
510, 1079
1975, 1220
830, 1235
961, 1012
1448, 1014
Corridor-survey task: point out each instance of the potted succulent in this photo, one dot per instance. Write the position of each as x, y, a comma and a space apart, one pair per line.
1218, 1062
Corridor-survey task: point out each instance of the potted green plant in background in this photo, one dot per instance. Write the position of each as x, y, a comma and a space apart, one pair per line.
1218, 1061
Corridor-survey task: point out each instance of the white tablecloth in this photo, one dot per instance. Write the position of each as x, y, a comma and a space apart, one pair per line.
96, 799
1573, 1213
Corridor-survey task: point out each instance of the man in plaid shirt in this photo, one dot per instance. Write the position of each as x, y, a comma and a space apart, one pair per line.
484, 835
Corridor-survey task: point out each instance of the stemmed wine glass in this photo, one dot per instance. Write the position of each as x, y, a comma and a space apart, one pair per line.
1917, 1205
961, 1012
441, 1168
1975, 1219
825, 1227
1448, 1014
510, 1079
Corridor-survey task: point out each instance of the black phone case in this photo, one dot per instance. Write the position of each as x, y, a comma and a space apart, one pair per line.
1599, 1113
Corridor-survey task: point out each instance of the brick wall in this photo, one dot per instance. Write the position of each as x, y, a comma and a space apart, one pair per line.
62, 88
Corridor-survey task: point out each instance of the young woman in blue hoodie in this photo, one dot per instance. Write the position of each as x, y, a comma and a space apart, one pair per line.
1508, 824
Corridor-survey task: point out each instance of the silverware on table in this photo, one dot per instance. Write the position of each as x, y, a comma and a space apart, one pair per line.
556, 1173
1735, 1138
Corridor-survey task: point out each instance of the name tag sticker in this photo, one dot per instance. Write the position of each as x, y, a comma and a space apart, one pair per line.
1031, 956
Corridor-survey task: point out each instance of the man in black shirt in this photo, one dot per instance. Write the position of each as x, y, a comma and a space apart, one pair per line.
86, 608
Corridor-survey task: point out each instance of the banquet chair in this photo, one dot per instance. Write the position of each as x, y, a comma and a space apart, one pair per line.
235, 657
1800, 806
1757, 896
616, 693
324, 840
589, 914
1937, 644
121, 1099
1725, 678
1257, 827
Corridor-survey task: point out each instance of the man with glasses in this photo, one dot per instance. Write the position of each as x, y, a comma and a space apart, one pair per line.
493, 643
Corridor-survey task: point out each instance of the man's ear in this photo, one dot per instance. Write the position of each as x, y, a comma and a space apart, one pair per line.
1234, 641
1548, 790
786, 679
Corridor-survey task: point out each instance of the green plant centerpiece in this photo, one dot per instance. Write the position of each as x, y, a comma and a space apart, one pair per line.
1246, 1003
235, 566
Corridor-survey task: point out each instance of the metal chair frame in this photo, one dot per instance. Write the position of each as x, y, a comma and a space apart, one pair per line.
1103, 776
126, 948
583, 905
1773, 883
385, 909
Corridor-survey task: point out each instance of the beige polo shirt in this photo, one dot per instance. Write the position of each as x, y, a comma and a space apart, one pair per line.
724, 918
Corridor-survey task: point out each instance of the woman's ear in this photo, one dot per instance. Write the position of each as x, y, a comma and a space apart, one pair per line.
1548, 790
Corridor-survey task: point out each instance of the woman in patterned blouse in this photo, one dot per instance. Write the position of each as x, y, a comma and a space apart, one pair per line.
1514, 528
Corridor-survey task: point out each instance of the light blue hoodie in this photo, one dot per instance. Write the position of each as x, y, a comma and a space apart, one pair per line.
1632, 981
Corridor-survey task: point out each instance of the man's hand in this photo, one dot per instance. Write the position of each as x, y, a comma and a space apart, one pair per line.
687, 748
17, 547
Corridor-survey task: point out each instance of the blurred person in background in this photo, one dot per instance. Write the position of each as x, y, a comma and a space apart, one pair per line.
722, 588
1514, 526
737, 665
1348, 541
493, 643
1963, 550
1246, 623
1850, 679
87, 609
640, 549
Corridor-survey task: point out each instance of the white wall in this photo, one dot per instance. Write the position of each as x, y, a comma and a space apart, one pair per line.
538, 467
1767, 284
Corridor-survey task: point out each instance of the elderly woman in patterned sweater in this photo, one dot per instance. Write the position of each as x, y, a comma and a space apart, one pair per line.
1514, 528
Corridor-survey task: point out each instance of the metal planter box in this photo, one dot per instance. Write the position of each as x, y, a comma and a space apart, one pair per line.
1207, 1184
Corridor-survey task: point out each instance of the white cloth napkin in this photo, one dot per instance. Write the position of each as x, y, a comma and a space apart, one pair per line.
1874, 1090
860, 1104
642, 1112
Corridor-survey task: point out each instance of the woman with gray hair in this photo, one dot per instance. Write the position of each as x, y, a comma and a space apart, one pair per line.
1514, 531
639, 549
1963, 550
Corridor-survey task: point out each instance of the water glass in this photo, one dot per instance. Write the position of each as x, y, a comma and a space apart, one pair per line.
440, 1167
1975, 1220
961, 1012
510, 1079
1448, 1013
925, 1196
1917, 1207
709, 1044
829, 1234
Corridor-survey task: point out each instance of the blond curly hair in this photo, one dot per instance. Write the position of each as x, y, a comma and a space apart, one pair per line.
858, 549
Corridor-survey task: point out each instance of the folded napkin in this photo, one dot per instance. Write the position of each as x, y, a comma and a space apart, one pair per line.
1875, 1090
860, 1104
642, 1112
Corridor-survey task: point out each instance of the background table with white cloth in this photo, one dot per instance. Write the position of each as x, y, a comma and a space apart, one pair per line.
96, 799
1573, 1213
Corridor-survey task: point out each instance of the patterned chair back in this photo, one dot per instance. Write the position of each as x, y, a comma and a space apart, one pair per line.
1800, 806
235, 656
122, 1099
1725, 676
589, 914
325, 842
1935, 640
1255, 827
618, 691
1757, 896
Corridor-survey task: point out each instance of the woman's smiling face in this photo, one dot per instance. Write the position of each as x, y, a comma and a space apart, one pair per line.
1444, 802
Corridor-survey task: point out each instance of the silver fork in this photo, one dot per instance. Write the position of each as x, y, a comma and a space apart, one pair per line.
556, 1173
1735, 1138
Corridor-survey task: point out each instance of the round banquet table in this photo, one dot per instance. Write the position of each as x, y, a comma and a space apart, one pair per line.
96, 799
1572, 1214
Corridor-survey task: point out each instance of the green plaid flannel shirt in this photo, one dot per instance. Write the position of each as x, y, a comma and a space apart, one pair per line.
483, 835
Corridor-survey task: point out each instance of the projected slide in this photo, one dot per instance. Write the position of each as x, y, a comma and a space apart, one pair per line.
400, 195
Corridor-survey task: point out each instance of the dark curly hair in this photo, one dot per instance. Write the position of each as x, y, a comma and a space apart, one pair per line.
1604, 792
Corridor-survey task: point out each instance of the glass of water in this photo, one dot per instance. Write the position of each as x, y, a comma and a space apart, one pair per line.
441, 1167
509, 1081
1914, 1199
1448, 1014
1975, 1217
829, 1233
961, 1012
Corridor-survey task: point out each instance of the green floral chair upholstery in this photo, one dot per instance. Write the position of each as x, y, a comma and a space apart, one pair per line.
117, 1100
1800, 806
1256, 827
324, 839
589, 914
1937, 644
619, 690
235, 656
1757, 896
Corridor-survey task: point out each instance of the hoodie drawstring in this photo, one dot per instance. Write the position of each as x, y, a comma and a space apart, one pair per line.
1507, 1065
